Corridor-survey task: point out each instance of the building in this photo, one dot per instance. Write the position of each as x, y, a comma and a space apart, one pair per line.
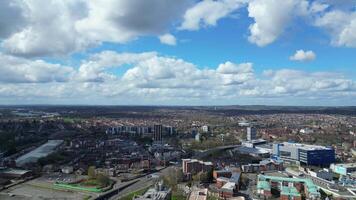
304, 154
159, 192
194, 166
227, 182
254, 143
290, 188
199, 194
157, 133
343, 169
264, 165
40, 152
251, 133
10, 173
205, 128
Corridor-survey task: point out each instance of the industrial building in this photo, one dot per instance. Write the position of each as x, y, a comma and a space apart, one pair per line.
40, 152
304, 154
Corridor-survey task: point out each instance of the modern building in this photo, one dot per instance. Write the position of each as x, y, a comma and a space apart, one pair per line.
254, 143
194, 166
304, 154
157, 133
251, 133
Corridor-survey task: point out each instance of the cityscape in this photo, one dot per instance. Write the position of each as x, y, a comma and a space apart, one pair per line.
177, 99
161, 153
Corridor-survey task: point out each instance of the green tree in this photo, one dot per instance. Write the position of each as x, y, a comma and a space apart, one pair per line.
91, 172
103, 180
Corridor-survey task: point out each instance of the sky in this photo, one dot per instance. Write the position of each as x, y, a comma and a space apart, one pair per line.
186, 52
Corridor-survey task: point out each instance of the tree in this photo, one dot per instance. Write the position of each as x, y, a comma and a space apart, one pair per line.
91, 172
103, 180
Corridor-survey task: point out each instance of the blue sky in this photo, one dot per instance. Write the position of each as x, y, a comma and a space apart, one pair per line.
221, 52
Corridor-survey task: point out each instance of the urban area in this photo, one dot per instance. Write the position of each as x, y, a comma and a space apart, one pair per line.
178, 153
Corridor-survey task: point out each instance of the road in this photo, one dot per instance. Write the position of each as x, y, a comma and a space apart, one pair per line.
141, 183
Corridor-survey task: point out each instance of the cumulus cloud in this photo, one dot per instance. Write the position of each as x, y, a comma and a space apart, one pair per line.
20, 70
341, 26
69, 26
168, 39
207, 13
272, 17
152, 78
301, 55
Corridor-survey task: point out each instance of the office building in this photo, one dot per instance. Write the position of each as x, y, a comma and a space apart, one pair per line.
157, 133
304, 154
251, 133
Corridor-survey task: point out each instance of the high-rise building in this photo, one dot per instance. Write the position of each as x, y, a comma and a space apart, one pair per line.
157, 133
251, 133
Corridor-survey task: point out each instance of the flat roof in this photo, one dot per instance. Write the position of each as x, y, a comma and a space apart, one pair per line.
346, 165
306, 146
13, 171
290, 191
39, 152
309, 183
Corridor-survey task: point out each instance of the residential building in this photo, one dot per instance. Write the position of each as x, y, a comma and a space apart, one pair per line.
157, 133
194, 166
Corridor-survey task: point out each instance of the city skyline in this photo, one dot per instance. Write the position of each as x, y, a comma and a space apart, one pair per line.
225, 52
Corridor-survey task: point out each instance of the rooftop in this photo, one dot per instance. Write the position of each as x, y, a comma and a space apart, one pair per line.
306, 146
39, 152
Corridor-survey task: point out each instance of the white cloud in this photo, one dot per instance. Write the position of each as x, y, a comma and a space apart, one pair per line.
70, 26
168, 39
232, 68
155, 79
20, 70
272, 17
208, 12
341, 25
301, 55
